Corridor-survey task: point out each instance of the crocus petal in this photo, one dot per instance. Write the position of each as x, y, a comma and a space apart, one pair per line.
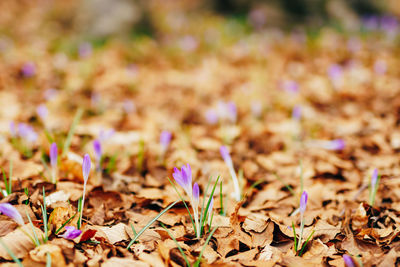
178, 177
196, 193
71, 233
348, 261
86, 167
53, 154
10, 211
42, 112
303, 202
225, 153
374, 177
165, 139
210, 210
97, 148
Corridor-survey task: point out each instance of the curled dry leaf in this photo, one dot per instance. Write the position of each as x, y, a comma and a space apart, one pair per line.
19, 242
39, 255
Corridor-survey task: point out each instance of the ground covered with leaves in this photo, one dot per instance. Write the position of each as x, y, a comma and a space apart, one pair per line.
297, 112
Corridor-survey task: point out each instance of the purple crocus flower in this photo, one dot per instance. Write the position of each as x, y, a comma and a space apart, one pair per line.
228, 161
27, 132
104, 135
86, 167
165, 139
42, 112
71, 232
303, 202
28, 69
184, 178
53, 155
335, 72
290, 86
348, 261
225, 154
296, 113
97, 149
85, 50
231, 111
371, 23
196, 193
211, 116
374, 178
210, 210
10, 211
337, 144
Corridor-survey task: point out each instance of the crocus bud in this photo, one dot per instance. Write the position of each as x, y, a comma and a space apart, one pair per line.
196, 193
10, 211
71, 233
374, 178
97, 149
225, 154
28, 69
303, 202
296, 113
165, 139
53, 155
336, 144
86, 167
210, 210
211, 116
184, 178
348, 261
42, 112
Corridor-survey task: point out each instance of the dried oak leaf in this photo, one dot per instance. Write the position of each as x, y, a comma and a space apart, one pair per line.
18, 242
39, 255
123, 262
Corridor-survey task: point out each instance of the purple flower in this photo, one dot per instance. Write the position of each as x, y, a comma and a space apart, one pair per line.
105, 135
389, 24
335, 72
42, 112
27, 132
211, 116
374, 178
290, 86
85, 50
370, 23
196, 193
231, 111
348, 261
86, 167
53, 155
165, 139
210, 210
10, 211
303, 202
337, 144
28, 69
296, 113
225, 154
184, 178
257, 18
71, 232
97, 149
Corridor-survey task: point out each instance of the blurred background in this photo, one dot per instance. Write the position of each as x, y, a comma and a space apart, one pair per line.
162, 19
